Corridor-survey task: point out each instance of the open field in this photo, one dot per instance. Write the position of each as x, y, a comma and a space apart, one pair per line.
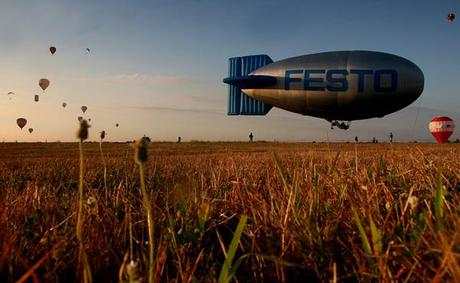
318, 211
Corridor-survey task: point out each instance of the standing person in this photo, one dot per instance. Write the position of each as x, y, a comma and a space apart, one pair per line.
250, 137
356, 138
178, 139
391, 137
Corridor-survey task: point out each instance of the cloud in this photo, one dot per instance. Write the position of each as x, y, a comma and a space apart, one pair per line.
202, 99
150, 79
429, 110
175, 109
136, 79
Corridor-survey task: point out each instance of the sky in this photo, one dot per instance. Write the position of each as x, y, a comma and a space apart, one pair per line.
156, 67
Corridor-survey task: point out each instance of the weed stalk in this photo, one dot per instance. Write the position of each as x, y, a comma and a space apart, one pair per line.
140, 156
82, 134
105, 166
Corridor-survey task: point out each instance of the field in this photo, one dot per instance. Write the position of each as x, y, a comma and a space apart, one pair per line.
315, 211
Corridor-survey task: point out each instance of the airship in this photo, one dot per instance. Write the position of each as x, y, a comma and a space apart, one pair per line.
339, 86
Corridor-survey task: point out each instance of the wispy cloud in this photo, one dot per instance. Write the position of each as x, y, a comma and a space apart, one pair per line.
136, 79
422, 109
174, 109
203, 99
150, 79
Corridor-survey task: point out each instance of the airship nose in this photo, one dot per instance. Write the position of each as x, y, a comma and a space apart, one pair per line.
251, 81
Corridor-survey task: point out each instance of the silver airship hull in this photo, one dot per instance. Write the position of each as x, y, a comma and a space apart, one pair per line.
341, 85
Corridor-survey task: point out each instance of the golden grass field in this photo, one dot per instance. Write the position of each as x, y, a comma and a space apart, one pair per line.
315, 212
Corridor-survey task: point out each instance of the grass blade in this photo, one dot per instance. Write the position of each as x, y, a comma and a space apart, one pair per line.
376, 238
438, 209
266, 257
225, 271
364, 239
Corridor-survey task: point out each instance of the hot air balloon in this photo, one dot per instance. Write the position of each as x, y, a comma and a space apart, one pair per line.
451, 17
89, 119
31, 130
80, 118
43, 83
36, 98
21, 122
9, 94
84, 108
116, 125
52, 50
441, 128
64, 104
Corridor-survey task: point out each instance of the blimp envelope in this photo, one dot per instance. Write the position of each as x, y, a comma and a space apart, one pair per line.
341, 85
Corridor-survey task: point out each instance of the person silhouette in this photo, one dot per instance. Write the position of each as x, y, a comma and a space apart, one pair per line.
178, 139
391, 137
356, 138
251, 136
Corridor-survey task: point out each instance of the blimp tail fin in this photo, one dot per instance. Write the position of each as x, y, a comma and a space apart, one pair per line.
238, 102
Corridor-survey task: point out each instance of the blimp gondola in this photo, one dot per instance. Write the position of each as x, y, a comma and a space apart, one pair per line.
339, 86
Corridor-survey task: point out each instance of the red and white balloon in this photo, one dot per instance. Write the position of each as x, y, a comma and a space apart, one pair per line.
441, 128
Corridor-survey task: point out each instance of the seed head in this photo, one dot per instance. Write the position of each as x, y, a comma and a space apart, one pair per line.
140, 150
413, 202
91, 201
82, 132
102, 135
132, 270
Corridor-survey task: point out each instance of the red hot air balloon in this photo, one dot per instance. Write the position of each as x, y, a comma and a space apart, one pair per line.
44, 83
441, 128
52, 50
21, 122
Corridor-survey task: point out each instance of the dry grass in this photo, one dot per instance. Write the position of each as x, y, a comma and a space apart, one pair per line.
315, 212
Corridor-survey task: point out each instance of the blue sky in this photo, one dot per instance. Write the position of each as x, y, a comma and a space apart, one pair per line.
156, 67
